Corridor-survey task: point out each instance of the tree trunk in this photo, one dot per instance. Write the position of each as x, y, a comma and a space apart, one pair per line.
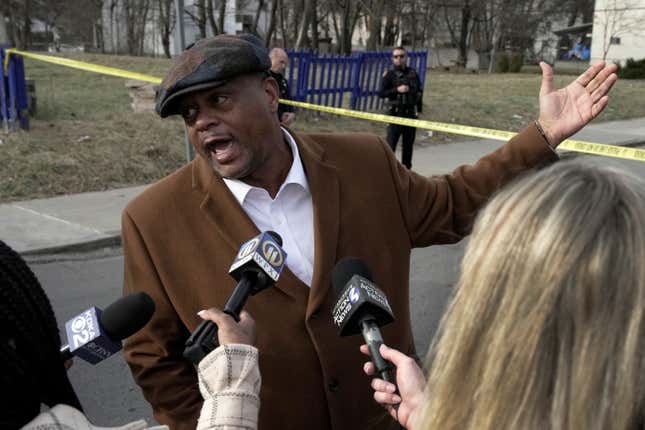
166, 19
466, 14
256, 19
7, 14
141, 30
301, 41
414, 32
222, 16
314, 24
25, 37
337, 31
345, 23
427, 23
199, 17
272, 22
136, 12
210, 13
375, 15
390, 29
496, 37
283, 29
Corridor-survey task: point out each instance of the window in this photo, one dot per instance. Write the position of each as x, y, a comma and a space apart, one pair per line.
614, 41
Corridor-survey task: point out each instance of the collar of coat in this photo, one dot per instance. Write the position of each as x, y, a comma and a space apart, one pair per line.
235, 227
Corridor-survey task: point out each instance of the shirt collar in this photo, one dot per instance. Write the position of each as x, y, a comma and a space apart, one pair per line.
296, 174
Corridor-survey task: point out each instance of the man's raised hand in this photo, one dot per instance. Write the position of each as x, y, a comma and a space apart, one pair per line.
565, 111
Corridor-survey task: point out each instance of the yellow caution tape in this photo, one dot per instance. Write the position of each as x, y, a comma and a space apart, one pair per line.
81, 65
484, 133
464, 130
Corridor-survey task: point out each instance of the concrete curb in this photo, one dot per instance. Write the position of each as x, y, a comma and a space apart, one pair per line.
114, 239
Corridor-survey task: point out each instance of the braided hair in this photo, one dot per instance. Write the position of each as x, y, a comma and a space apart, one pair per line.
32, 371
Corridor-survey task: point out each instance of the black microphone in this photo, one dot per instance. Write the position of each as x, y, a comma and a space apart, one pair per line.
257, 266
361, 308
94, 335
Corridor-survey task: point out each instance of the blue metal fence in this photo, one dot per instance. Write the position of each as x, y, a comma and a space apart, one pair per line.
13, 92
327, 79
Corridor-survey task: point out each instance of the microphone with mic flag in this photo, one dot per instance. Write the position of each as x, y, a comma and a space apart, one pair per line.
94, 335
257, 266
361, 307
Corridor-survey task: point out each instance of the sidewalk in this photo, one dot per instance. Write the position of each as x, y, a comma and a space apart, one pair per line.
90, 220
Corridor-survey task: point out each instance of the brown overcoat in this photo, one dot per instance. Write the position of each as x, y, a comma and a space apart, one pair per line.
182, 233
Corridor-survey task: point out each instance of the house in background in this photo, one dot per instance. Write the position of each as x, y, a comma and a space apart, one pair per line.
618, 31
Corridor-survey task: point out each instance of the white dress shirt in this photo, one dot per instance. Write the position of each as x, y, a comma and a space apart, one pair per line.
290, 214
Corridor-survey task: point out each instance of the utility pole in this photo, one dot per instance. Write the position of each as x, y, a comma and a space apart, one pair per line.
180, 44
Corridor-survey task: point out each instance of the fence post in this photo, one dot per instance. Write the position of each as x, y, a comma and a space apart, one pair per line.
4, 114
356, 76
11, 105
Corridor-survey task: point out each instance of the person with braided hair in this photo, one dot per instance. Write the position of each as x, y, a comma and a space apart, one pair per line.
29, 346
34, 373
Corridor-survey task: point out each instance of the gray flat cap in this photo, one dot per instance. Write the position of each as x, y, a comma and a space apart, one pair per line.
210, 63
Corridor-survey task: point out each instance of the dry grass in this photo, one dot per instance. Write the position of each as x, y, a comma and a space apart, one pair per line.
86, 138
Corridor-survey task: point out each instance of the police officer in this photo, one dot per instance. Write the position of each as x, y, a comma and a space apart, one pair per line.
279, 62
402, 90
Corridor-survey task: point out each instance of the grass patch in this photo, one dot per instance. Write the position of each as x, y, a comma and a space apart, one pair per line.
85, 136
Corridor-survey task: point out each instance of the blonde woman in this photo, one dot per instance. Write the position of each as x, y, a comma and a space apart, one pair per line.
547, 328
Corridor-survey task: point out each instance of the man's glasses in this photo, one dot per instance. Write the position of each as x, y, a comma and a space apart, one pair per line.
398, 56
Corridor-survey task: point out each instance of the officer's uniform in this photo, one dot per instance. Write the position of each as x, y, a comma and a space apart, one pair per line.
406, 105
285, 94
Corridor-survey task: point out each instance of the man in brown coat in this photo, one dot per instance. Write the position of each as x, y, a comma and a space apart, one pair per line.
328, 196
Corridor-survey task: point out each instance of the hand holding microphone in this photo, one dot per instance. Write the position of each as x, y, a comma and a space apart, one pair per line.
404, 400
228, 331
257, 266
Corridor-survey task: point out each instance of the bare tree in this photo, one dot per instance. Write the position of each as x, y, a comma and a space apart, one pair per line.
459, 18
273, 18
136, 13
256, 19
222, 15
348, 13
198, 15
114, 27
392, 28
18, 16
283, 25
301, 41
211, 17
427, 25
8, 9
374, 21
167, 21
616, 19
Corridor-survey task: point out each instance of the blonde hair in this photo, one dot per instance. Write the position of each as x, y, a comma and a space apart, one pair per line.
546, 330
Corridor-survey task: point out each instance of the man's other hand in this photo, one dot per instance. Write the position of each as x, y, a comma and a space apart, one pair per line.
403, 88
565, 111
229, 331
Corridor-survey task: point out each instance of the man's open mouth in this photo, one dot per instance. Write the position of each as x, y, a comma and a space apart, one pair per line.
222, 150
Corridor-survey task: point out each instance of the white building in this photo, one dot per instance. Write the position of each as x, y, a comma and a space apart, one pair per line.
618, 31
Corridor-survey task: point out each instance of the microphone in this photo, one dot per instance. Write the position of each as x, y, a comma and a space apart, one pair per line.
257, 266
94, 335
361, 308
